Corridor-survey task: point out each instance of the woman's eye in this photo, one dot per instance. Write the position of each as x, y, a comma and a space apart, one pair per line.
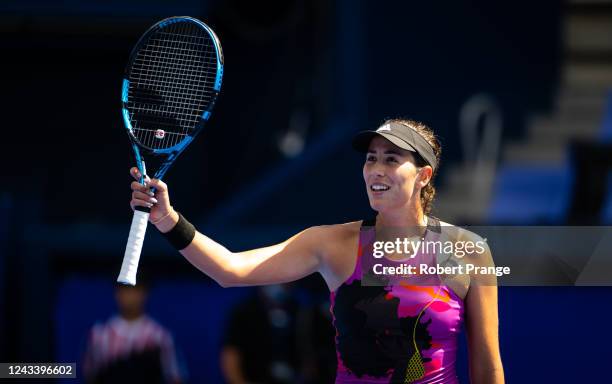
391, 159
371, 158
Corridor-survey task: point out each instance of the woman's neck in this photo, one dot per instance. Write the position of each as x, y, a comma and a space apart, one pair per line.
400, 225
402, 218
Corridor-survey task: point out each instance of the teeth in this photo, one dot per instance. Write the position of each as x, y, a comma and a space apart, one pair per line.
379, 187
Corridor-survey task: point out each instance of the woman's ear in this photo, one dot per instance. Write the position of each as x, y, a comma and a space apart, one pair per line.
424, 176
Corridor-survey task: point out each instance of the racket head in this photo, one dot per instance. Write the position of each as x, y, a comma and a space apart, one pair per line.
171, 83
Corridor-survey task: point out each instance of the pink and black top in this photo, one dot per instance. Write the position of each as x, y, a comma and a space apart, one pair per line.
396, 332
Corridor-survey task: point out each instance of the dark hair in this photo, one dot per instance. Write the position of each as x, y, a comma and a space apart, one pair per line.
429, 191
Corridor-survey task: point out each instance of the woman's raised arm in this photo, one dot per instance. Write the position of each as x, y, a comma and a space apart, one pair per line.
290, 260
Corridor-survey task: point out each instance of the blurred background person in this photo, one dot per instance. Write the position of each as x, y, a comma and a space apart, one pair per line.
277, 336
131, 347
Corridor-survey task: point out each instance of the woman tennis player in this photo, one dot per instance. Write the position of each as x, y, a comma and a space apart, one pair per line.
385, 333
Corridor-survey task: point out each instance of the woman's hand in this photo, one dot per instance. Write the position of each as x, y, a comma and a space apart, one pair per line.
162, 214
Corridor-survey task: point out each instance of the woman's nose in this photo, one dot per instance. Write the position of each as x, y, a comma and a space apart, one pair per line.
378, 169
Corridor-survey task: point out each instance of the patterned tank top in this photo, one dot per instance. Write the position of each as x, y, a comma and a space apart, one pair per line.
395, 333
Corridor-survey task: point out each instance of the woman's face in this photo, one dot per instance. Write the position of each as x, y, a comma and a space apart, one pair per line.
392, 179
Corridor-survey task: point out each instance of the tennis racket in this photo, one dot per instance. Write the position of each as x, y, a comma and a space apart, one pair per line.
171, 83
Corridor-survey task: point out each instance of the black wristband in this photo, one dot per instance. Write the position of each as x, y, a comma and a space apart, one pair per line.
182, 234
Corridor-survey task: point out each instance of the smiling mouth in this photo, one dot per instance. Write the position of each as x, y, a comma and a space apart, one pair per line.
379, 187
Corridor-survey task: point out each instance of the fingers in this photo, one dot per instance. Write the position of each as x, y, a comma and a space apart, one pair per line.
140, 203
159, 185
146, 197
136, 186
150, 193
135, 173
141, 196
150, 183
156, 184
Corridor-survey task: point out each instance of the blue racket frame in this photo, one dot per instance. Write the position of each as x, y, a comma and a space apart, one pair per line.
172, 152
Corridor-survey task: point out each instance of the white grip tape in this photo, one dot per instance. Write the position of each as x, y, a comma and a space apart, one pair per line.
127, 275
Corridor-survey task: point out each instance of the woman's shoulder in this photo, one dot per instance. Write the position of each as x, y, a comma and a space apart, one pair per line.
329, 239
339, 246
333, 240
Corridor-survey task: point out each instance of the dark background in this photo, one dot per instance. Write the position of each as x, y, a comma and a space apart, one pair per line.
320, 70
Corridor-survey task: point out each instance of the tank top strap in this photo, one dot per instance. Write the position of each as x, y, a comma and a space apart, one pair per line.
368, 222
367, 234
433, 224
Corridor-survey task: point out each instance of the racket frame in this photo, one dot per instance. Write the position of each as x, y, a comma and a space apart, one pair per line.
171, 152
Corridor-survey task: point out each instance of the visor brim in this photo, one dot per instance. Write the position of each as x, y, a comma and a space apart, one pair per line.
361, 141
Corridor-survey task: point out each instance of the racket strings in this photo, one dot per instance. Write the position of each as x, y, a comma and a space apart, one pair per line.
158, 66
171, 84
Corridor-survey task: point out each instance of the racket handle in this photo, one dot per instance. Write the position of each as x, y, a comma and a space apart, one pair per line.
127, 275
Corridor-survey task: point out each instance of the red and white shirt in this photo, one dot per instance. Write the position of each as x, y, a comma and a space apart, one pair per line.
118, 338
